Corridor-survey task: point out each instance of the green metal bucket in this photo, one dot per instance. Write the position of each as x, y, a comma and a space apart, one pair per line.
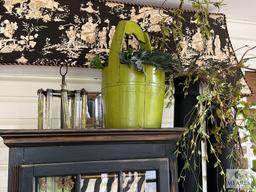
131, 99
254, 165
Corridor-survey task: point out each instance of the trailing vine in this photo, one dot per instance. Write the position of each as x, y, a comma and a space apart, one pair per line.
218, 108
215, 108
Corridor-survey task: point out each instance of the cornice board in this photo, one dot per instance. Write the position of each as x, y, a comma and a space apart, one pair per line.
59, 34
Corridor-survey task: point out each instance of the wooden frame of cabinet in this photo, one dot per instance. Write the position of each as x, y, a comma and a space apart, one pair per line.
36, 153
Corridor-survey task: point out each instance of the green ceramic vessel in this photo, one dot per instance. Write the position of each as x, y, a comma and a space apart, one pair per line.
131, 99
254, 165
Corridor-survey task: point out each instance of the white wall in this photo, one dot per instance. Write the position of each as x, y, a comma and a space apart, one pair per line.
19, 85
18, 98
243, 33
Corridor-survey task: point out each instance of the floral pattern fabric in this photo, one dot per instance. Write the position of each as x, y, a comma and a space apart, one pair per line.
54, 32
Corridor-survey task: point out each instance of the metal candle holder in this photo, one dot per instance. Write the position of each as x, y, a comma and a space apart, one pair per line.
73, 107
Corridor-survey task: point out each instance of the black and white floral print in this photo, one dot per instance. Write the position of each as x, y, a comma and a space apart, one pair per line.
54, 32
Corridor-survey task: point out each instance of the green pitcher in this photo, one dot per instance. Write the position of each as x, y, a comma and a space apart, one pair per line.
131, 99
254, 165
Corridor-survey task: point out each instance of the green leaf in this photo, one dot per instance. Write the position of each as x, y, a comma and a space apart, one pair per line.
97, 63
161, 60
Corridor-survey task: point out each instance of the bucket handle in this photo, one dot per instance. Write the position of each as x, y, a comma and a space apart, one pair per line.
126, 28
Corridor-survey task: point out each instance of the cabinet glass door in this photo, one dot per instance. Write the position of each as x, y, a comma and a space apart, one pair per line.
131, 181
107, 176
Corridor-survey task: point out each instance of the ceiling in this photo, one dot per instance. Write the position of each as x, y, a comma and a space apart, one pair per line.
240, 9
234, 9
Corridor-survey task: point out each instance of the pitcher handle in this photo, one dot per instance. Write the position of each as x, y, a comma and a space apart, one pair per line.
126, 28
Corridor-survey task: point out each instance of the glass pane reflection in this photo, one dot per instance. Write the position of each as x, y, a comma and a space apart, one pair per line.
103, 182
131, 181
56, 184
151, 181
139, 181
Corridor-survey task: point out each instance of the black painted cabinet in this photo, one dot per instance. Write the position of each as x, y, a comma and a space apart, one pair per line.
105, 160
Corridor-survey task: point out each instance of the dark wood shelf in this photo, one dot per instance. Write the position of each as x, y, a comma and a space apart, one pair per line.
34, 137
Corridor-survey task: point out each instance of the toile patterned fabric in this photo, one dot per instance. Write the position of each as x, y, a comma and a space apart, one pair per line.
54, 32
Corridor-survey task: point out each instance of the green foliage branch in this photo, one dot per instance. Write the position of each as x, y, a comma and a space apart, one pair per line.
219, 106
216, 107
138, 59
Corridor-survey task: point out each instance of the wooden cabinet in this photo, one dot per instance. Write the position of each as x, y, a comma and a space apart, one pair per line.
79, 157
